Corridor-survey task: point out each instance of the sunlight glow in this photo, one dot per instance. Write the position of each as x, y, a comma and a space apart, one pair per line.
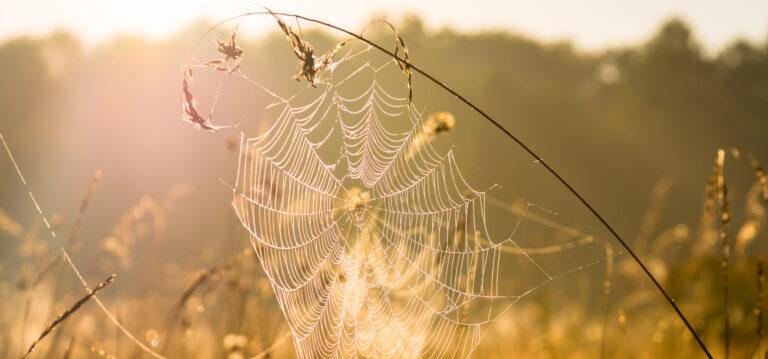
590, 23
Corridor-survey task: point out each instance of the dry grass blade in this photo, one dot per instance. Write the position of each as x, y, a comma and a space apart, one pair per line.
762, 178
232, 55
325, 61
45, 271
400, 48
67, 313
760, 310
606, 295
267, 352
649, 222
309, 66
721, 198
203, 276
189, 107
760, 307
302, 49
434, 124
24, 317
70, 347
95, 179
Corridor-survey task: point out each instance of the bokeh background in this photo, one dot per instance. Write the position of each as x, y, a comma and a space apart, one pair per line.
629, 102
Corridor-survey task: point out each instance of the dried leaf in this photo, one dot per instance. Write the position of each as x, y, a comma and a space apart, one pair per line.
190, 113
232, 55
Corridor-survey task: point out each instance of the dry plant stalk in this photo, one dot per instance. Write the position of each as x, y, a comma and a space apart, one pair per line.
44, 272
606, 295
203, 276
400, 46
708, 217
76, 226
24, 317
721, 198
762, 178
92, 185
70, 347
232, 54
433, 124
760, 308
266, 353
67, 313
309, 66
649, 222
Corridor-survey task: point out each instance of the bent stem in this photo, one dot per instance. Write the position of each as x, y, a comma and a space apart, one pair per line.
514, 138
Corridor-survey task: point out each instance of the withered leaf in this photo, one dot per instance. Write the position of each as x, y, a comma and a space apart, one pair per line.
232, 55
189, 109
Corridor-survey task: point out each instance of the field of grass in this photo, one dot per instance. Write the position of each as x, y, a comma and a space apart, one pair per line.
225, 251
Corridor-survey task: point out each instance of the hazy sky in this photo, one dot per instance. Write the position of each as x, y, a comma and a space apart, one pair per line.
589, 23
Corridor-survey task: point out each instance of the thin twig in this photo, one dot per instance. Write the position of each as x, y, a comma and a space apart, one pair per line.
71, 310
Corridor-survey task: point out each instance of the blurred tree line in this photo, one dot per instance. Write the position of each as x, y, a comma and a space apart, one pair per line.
614, 121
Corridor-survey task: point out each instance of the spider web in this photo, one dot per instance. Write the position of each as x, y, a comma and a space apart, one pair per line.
373, 239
